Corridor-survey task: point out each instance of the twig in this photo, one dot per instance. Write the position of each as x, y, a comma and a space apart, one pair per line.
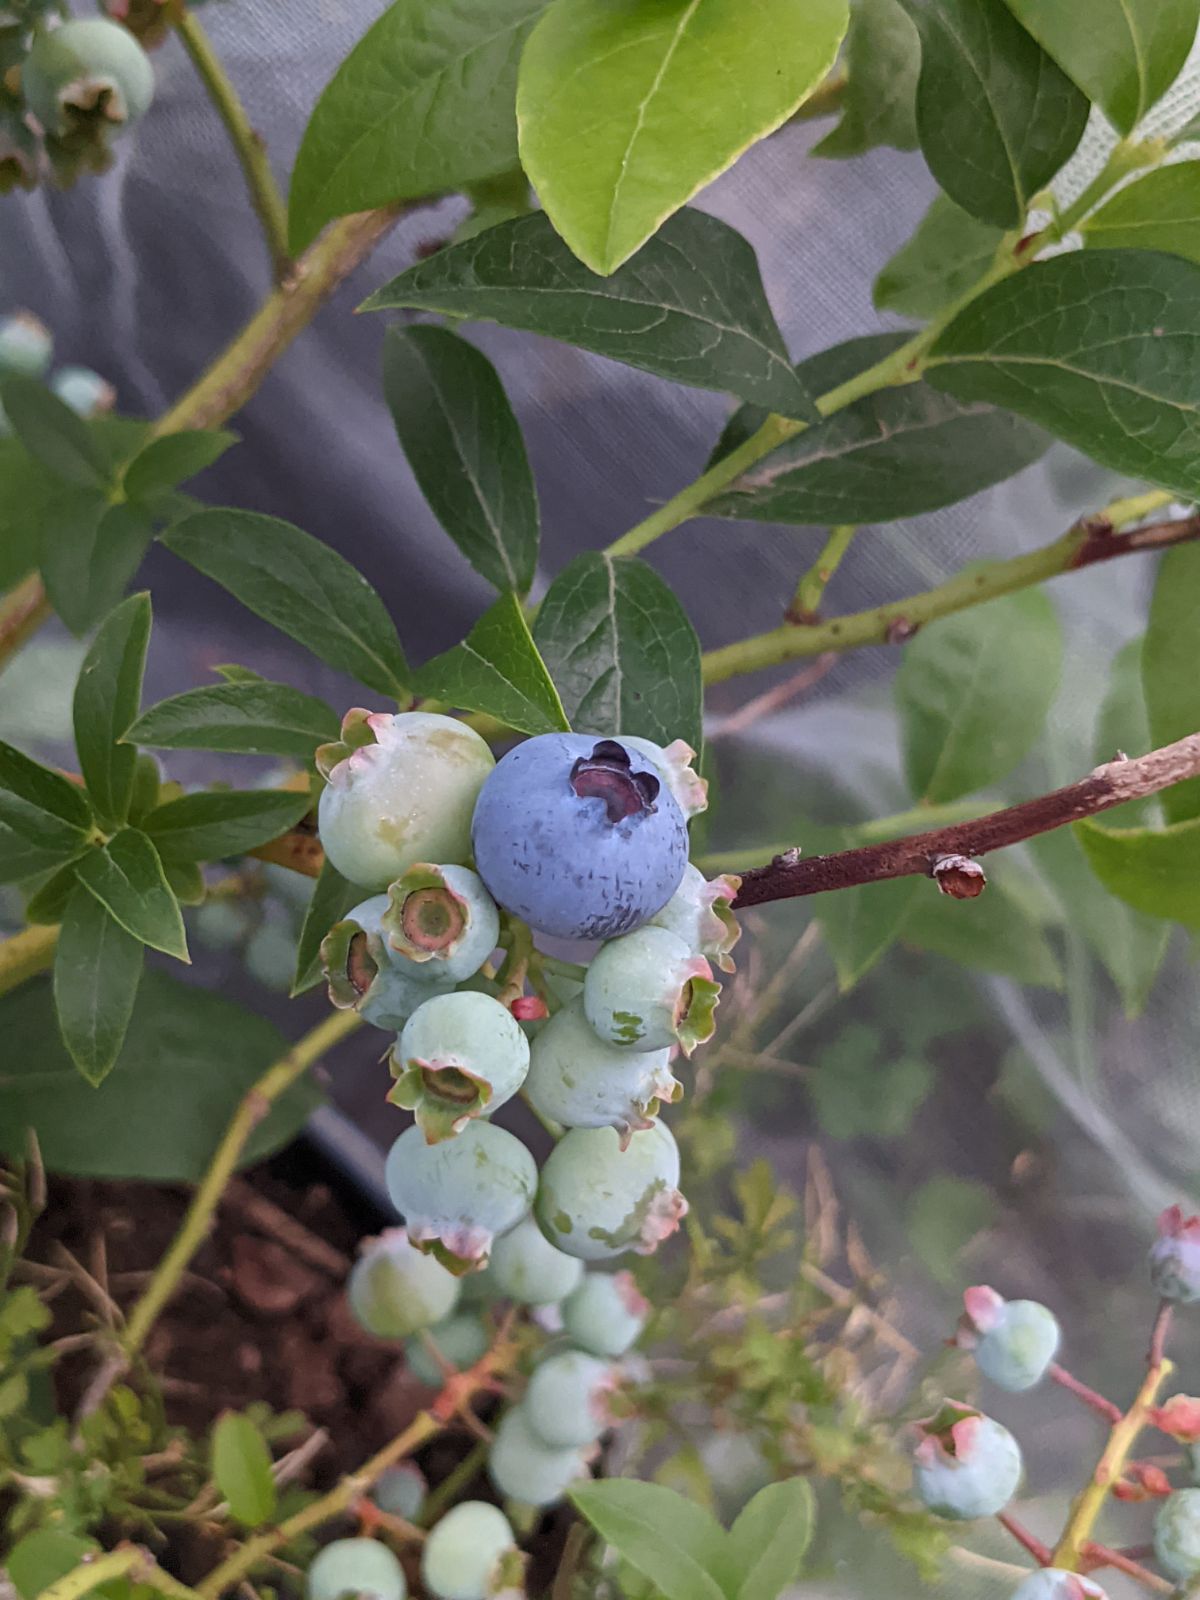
447, 1491
810, 591
792, 875
257, 1101
1039, 1550
126, 1561
775, 699
1097, 1556
1111, 1413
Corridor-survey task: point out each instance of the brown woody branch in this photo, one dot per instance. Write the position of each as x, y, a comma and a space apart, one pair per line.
791, 875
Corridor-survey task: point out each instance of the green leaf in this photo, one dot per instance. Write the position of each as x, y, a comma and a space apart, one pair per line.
1123, 725
299, 586
44, 808
769, 1539
250, 717
48, 903
126, 876
1123, 54
97, 969
671, 1541
90, 551
140, 1123
107, 693
860, 1090
973, 692
21, 860
861, 925
897, 453
1169, 676
626, 111
52, 432
883, 61
423, 102
465, 448
690, 307
947, 255
44, 1556
944, 1217
994, 934
26, 489
996, 117
219, 823
1155, 871
331, 899
241, 1466
187, 882
173, 459
1159, 212
497, 670
621, 651
1098, 346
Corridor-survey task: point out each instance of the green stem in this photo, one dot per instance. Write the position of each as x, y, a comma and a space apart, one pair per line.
448, 1490
254, 1107
129, 1561
1127, 157
811, 589
265, 197
26, 953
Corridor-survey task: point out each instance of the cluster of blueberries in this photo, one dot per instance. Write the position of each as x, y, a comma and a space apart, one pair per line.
26, 351
967, 1465
578, 843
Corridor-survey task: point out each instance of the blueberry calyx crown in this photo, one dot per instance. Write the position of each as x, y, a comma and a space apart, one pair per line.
608, 775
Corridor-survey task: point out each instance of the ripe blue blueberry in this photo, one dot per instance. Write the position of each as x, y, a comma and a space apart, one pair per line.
578, 836
465, 1553
1175, 1257
647, 991
674, 766
395, 1290
597, 1200
460, 1341
700, 912
456, 1196
966, 1465
355, 1567
401, 790
26, 345
85, 391
1177, 1535
442, 919
1052, 1583
1015, 1341
567, 1401
525, 1468
401, 1491
366, 975
460, 1056
89, 70
583, 1081
526, 1267
605, 1315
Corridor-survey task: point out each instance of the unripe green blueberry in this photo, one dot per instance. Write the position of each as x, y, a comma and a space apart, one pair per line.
527, 1470
597, 1200
457, 1195
464, 1552
582, 1081
443, 919
394, 1290
401, 790
647, 991
85, 391
1052, 1583
220, 924
89, 69
355, 1567
674, 766
460, 1341
26, 345
1175, 1257
401, 1491
700, 912
605, 1315
567, 1401
366, 975
966, 1465
460, 1056
1015, 1341
527, 1268
1177, 1535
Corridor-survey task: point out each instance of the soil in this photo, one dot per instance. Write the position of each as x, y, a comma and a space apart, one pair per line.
260, 1316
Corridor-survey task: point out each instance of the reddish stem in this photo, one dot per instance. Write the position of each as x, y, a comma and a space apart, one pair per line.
1066, 1380
1040, 1552
1097, 1556
1160, 1333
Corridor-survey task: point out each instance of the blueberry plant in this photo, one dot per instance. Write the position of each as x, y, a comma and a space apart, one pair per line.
504, 845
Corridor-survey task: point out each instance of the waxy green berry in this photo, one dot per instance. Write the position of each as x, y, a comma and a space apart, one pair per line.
597, 1200
394, 1290
1177, 1535
966, 1465
648, 991
674, 765
87, 71
1015, 1341
354, 1567
457, 1195
1175, 1257
460, 1056
1052, 1583
85, 391
567, 1401
582, 1081
366, 975
442, 919
465, 1554
605, 1315
460, 1341
401, 790
700, 912
525, 1468
526, 1267
26, 345
401, 1491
